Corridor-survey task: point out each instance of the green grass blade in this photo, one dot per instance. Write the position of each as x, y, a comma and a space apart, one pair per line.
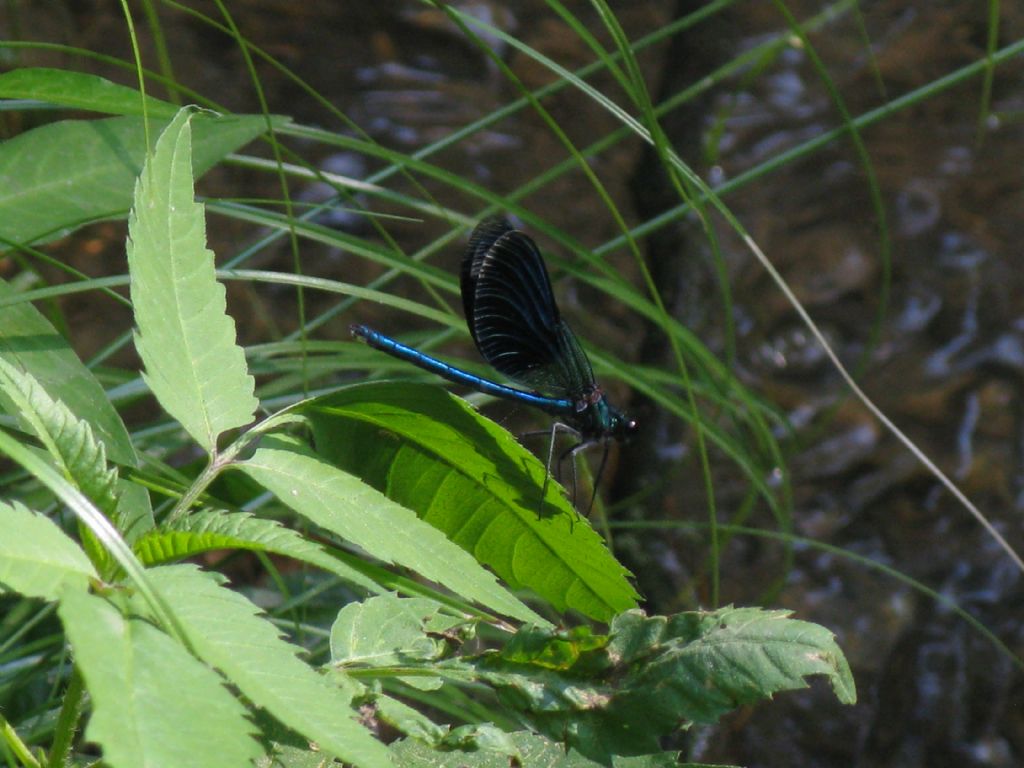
79, 90
185, 338
871, 178
991, 44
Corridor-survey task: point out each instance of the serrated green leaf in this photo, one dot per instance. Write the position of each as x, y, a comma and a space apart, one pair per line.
227, 631
470, 478
388, 630
68, 440
71, 446
561, 651
61, 176
407, 720
290, 756
185, 337
134, 511
29, 342
660, 760
746, 654
83, 509
153, 703
347, 507
486, 747
216, 529
37, 558
482, 737
79, 90
656, 674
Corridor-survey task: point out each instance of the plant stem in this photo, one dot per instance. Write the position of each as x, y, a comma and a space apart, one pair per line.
67, 721
16, 745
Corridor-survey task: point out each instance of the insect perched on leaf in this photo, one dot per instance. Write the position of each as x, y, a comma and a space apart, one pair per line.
515, 322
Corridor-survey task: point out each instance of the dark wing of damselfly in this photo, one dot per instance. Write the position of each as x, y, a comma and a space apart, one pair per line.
512, 314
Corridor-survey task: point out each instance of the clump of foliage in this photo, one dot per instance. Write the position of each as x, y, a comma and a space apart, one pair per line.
404, 493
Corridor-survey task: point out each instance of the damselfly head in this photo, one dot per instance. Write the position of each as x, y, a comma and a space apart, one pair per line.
621, 427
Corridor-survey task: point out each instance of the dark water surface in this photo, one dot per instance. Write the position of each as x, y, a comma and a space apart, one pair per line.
948, 366
947, 370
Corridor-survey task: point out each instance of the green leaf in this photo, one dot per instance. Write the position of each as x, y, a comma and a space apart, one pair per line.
29, 342
134, 511
347, 507
153, 703
486, 747
79, 90
651, 675
56, 178
72, 447
36, 557
216, 529
68, 440
86, 512
290, 756
228, 632
185, 337
391, 631
407, 720
746, 654
466, 476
